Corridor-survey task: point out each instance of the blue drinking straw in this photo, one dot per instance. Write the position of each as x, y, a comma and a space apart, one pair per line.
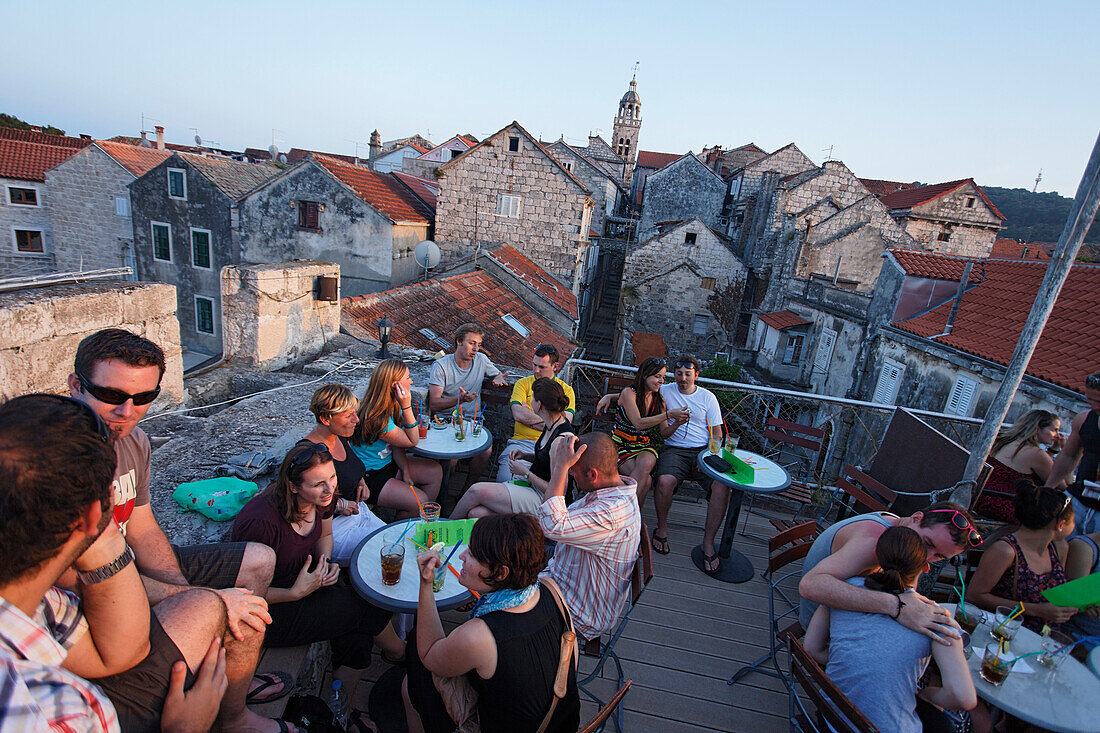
452, 554
405, 532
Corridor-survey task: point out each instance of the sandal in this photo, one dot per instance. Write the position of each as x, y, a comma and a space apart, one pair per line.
268, 680
707, 560
659, 544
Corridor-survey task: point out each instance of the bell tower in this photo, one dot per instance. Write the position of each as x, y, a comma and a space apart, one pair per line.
628, 123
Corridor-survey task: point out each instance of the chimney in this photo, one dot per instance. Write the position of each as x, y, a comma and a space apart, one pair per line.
160, 136
375, 146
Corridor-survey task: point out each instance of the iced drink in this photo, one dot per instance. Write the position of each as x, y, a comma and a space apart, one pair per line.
996, 665
968, 617
392, 555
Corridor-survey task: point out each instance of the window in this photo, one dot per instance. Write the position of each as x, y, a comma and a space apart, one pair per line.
690, 237
309, 216
204, 315
701, 325
824, 353
707, 284
513, 144
961, 399
455, 154
970, 202
162, 242
516, 325
177, 184
200, 248
889, 379
122, 206
792, 352
944, 237
568, 165
508, 206
435, 338
28, 240
23, 196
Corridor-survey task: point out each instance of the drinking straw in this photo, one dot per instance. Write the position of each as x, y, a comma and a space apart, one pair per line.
1017, 612
415, 496
448, 564
962, 593
403, 533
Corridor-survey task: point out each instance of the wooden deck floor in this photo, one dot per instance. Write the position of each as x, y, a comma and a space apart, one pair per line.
687, 636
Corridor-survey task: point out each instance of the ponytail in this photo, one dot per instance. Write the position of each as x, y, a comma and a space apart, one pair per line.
901, 555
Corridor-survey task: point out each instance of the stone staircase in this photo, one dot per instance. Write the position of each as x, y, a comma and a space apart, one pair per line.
599, 339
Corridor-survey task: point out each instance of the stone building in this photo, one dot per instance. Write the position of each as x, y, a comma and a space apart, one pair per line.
186, 214
627, 127
683, 189
90, 211
725, 162
509, 188
684, 284
600, 152
607, 191
394, 159
954, 218
25, 156
750, 189
329, 210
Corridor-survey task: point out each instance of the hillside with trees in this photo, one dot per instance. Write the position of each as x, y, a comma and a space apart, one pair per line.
1034, 217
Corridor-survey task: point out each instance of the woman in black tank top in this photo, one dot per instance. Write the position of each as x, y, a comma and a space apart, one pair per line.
508, 651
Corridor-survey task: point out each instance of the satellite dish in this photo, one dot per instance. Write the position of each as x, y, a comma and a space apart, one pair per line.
145, 143
198, 141
427, 254
274, 152
282, 157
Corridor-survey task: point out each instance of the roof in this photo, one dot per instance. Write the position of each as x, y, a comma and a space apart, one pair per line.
645, 345
444, 304
385, 193
781, 320
297, 154
137, 141
992, 315
232, 177
648, 159
258, 154
423, 189
936, 266
910, 197
1010, 249
29, 161
882, 188
44, 138
537, 278
136, 159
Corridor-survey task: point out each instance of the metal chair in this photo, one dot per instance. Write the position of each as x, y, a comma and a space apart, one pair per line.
784, 548
834, 711
793, 446
597, 723
639, 579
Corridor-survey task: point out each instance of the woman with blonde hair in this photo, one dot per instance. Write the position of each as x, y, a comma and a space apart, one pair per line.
385, 427
1018, 453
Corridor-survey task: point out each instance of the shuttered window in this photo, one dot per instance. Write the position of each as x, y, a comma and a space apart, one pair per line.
961, 399
889, 379
825, 344
508, 206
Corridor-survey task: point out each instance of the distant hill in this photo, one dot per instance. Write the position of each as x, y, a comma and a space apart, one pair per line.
7, 120
1034, 217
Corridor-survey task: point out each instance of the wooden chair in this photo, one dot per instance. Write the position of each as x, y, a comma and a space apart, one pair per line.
639, 579
598, 722
784, 548
833, 708
793, 446
860, 493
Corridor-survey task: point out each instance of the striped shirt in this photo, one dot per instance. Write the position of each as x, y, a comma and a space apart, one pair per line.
35, 692
598, 537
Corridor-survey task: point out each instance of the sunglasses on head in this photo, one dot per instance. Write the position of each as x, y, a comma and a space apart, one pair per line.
973, 537
112, 396
546, 350
101, 428
685, 363
307, 453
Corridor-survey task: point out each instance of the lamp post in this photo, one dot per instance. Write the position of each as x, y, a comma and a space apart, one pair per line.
384, 328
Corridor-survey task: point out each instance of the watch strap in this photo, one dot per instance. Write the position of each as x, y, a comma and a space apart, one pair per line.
109, 570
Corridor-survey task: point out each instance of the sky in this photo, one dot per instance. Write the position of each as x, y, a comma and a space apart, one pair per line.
931, 92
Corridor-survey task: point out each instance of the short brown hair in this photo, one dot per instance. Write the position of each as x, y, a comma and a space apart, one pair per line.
513, 541
116, 343
941, 513
466, 328
332, 399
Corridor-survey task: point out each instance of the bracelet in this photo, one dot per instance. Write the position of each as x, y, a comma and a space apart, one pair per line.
900, 605
410, 425
103, 572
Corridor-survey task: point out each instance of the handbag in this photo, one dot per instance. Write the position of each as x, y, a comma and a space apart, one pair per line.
460, 698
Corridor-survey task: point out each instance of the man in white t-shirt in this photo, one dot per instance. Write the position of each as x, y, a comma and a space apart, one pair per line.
684, 439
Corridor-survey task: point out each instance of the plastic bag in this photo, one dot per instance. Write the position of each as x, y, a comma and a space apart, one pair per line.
220, 499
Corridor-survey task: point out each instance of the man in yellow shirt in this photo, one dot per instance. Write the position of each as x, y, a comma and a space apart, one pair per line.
529, 425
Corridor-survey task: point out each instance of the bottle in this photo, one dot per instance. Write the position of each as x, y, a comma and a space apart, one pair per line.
336, 703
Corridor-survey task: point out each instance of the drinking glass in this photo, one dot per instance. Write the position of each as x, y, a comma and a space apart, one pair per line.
459, 425
1056, 648
440, 576
996, 664
422, 425
429, 511
392, 556
968, 616
1006, 629
478, 423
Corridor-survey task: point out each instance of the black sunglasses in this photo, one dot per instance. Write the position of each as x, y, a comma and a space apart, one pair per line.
100, 427
307, 453
112, 396
973, 537
685, 363
546, 350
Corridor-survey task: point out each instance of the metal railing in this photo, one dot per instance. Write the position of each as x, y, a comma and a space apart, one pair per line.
854, 429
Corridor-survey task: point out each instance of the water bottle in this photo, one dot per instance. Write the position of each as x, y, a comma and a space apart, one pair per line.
336, 703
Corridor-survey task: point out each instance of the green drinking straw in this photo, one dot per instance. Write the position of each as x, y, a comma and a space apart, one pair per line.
1014, 614
962, 593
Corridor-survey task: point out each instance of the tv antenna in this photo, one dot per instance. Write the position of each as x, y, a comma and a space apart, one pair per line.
357, 143
427, 255
1037, 179
146, 142
828, 152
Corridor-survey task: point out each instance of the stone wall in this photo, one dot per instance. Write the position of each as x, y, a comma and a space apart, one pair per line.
554, 210
88, 234
272, 315
964, 241
786, 161
14, 216
970, 229
684, 189
40, 329
604, 191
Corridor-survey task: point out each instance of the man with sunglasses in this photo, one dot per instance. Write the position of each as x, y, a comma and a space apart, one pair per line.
529, 425
847, 550
1082, 452
118, 373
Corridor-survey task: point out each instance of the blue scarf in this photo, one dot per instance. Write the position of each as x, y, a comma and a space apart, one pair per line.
500, 600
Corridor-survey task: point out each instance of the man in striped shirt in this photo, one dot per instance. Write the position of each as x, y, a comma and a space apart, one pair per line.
597, 535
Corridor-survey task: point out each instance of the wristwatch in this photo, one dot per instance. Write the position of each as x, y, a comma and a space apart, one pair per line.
103, 572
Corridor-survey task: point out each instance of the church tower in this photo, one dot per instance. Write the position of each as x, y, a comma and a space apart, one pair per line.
628, 123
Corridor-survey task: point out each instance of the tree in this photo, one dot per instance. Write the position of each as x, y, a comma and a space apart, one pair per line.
7, 120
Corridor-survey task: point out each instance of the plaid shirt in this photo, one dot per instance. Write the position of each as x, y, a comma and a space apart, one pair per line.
36, 694
597, 538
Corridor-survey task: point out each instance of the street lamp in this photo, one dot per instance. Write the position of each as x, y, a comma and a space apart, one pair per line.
384, 328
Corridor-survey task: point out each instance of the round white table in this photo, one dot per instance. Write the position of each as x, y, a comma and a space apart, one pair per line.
768, 478
1066, 699
366, 575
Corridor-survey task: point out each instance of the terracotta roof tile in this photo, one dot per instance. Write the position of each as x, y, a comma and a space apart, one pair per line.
29, 161
446, 304
136, 159
423, 189
44, 138
881, 188
648, 159
645, 345
535, 277
781, 320
297, 154
936, 266
385, 193
992, 315
234, 178
910, 197
1010, 249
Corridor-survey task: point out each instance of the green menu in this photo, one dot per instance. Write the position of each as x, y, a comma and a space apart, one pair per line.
1076, 593
449, 532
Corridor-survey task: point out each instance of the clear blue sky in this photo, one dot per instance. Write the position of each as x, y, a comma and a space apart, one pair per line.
927, 91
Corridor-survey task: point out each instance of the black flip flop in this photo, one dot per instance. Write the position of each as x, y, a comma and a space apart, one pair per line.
268, 680
663, 543
708, 559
